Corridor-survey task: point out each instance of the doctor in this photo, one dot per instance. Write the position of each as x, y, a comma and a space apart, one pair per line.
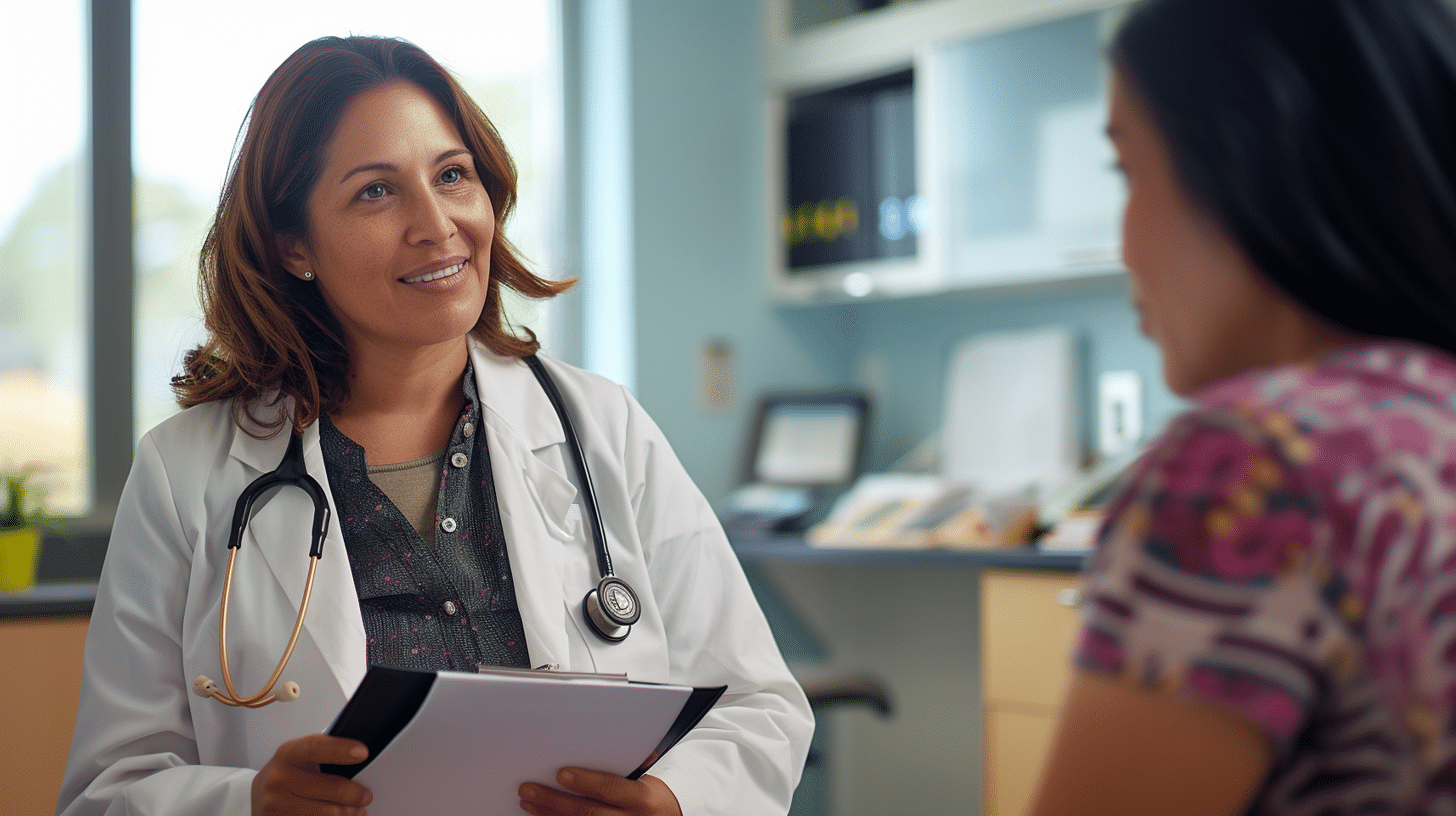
352, 289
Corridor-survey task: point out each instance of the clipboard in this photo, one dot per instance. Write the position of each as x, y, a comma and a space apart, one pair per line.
458, 742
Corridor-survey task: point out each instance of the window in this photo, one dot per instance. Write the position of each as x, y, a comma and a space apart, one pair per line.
44, 343
195, 69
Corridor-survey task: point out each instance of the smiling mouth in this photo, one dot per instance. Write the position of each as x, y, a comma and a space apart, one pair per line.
431, 276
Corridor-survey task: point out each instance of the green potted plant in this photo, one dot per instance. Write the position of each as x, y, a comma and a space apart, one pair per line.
20, 530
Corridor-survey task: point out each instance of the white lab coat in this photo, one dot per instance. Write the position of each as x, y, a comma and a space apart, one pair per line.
145, 744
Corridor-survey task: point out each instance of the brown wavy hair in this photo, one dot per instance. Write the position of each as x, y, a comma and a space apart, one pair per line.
270, 335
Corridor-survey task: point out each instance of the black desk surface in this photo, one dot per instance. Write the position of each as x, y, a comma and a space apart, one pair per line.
794, 549
48, 600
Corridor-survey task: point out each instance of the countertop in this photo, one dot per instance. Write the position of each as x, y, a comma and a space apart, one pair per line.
793, 548
65, 576
48, 599
69, 588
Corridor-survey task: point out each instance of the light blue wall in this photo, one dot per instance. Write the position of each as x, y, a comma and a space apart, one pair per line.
911, 343
700, 246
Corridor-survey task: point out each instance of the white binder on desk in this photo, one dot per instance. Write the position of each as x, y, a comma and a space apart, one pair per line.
462, 742
1011, 417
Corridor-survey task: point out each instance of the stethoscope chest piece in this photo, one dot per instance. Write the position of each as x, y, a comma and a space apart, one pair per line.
611, 608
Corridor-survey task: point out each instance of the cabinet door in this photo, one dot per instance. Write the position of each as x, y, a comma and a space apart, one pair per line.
40, 678
1029, 192
1017, 741
1028, 624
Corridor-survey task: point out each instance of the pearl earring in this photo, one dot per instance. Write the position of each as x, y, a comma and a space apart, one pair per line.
308, 274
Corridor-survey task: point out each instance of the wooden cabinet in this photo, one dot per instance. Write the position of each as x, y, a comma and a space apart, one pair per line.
1029, 621
40, 684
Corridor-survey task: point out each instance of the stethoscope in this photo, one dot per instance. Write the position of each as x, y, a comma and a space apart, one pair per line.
610, 608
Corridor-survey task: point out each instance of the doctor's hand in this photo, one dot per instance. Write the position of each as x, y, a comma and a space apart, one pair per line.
600, 794
291, 782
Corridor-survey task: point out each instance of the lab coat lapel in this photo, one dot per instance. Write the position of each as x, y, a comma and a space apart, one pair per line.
534, 499
333, 620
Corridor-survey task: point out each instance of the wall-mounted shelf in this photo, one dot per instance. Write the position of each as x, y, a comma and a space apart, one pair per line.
1012, 175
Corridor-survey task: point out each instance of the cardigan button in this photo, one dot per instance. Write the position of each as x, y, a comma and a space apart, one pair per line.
448, 525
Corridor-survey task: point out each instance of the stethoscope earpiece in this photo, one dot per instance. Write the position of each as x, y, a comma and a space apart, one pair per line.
203, 686
288, 692
611, 608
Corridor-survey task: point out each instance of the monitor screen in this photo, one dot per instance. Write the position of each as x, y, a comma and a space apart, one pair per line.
808, 442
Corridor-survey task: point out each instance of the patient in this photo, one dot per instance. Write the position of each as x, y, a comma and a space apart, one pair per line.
1270, 614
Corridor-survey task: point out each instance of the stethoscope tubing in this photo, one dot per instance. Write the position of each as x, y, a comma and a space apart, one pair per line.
611, 607
292, 470
263, 697
589, 496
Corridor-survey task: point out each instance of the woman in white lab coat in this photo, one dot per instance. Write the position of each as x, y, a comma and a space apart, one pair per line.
352, 289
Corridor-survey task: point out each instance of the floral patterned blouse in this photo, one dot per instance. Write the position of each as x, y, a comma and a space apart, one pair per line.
1287, 550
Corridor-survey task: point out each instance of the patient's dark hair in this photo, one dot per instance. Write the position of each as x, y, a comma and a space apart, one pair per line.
1322, 135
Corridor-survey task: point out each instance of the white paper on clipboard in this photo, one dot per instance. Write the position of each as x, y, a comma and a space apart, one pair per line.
466, 741
1011, 415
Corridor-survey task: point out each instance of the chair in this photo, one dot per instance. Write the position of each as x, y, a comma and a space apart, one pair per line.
825, 692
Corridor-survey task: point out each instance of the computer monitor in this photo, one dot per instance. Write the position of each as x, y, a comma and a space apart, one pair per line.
808, 439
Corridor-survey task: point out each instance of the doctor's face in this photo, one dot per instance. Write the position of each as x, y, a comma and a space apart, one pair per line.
399, 225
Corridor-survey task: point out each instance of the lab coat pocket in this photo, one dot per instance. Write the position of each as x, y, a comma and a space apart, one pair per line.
552, 495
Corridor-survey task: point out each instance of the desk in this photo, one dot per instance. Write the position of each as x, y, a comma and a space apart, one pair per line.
42, 635
960, 637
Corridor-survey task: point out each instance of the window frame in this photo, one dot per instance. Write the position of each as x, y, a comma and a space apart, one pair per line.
110, 266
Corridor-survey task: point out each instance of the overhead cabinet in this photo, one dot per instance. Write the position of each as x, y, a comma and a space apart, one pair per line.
940, 145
